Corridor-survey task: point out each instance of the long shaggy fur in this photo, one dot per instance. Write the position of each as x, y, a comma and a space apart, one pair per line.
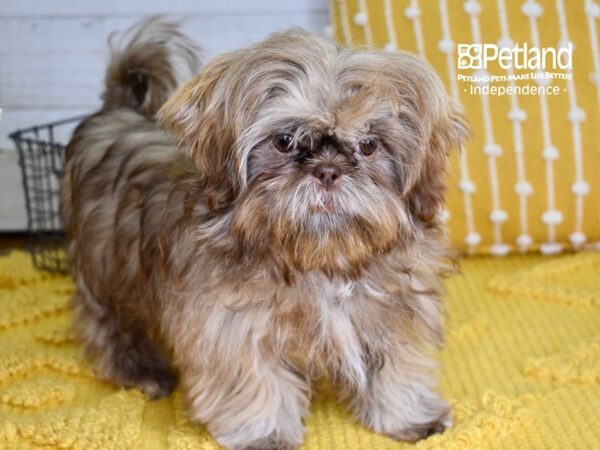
225, 259
147, 64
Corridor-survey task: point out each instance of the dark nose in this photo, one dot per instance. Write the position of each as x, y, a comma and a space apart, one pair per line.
327, 173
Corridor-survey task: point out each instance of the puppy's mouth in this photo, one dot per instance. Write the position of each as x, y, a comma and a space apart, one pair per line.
326, 179
324, 201
324, 207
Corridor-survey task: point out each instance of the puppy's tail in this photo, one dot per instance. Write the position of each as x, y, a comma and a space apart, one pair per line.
148, 62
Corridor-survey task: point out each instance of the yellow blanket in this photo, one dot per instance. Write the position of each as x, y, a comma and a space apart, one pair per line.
521, 367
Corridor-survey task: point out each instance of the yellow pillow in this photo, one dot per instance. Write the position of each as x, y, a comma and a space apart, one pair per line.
529, 179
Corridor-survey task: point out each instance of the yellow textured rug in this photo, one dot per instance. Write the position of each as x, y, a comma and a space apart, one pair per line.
521, 367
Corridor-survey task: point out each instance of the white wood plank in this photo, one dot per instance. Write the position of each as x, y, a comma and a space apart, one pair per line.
91, 34
51, 79
56, 69
12, 200
57, 34
66, 8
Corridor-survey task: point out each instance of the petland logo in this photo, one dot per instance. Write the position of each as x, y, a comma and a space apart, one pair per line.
520, 57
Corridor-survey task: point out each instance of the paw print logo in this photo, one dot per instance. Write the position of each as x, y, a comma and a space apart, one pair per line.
470, 56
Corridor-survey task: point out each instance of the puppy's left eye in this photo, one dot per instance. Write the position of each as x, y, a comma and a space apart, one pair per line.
283, 142
368, 146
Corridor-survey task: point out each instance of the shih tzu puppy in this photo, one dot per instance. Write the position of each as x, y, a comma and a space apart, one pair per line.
284, 228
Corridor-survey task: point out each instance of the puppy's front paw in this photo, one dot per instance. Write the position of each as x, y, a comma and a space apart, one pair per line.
269, 443
417, 432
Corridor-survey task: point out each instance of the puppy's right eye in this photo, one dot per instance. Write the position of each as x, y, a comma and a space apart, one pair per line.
283, 142
368, 146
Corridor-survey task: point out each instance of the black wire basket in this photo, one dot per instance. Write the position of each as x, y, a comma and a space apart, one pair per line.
41, 159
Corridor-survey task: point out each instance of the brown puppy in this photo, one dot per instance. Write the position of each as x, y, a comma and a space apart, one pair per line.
293, 234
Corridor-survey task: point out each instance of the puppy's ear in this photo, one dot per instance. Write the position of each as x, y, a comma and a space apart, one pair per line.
436, 125
197, 114
427, 196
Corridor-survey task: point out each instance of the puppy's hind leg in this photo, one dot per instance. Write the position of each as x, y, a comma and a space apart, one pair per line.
122, 352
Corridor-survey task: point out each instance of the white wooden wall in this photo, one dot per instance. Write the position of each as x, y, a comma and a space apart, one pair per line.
53, 54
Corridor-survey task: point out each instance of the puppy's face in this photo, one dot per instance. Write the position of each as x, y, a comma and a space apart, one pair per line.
323, 157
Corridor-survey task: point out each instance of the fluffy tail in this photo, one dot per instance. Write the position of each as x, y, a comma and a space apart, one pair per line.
147, 64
